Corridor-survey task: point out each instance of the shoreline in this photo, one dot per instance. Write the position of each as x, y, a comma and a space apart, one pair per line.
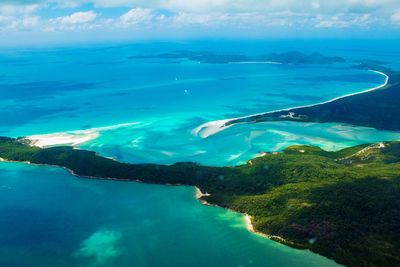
57, 139
250, 228
257, 62
198, 195
251, 219
72, 138
248, 222
213, 127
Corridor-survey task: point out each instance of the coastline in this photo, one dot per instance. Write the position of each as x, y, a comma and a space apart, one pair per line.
210, 128
72, 138
246, 217
257, 62
250, 227
87, 164
248, 222
198, 195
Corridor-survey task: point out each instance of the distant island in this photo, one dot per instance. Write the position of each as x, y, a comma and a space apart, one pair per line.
344, 205
292, 57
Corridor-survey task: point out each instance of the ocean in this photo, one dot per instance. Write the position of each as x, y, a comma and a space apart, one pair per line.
141, 107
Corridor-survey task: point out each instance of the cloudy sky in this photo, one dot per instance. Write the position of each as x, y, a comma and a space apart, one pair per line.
69, 20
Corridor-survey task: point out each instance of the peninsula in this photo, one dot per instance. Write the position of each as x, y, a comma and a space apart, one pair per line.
377, 107
344, 205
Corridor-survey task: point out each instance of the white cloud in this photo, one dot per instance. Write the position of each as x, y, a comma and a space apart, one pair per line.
197, 6
18, 17
235, 6
77, 18
77, 21
187, 19
138, 16
230, 6
150, 17
344, 21
315, 5
67, 4
222, 15
25, 23
30, 22
246, 6
13, 10
395, 18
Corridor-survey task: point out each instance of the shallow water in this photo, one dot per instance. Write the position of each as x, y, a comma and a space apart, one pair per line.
46, 91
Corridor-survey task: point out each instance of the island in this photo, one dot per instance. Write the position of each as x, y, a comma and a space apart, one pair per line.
344, 205
291, 57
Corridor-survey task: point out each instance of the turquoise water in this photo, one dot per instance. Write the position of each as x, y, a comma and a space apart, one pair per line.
46, 91
54, 219
57, 90
50, 218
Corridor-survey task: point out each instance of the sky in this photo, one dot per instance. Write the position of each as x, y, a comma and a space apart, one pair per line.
40, 21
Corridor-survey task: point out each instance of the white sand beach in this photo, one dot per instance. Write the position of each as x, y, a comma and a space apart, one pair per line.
210, 128
199, 194
257, 62
72, 138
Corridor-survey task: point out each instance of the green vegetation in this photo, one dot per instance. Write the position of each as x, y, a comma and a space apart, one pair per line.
292, 57
378, 109
344, 205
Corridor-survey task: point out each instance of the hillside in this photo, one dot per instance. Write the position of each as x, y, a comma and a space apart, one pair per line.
344, 205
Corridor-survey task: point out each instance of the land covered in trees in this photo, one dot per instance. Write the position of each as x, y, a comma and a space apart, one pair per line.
344, 205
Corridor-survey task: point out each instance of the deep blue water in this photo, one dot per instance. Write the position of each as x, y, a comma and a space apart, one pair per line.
50, 218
